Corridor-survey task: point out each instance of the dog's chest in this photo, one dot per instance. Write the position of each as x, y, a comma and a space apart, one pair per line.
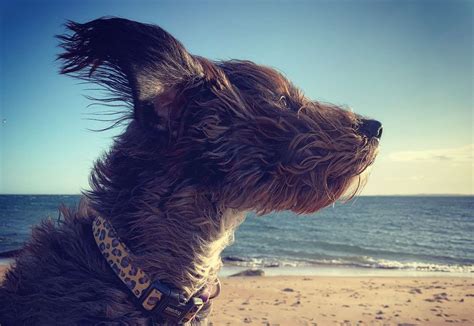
230, 221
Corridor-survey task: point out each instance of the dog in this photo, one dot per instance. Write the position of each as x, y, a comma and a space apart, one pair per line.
204, 142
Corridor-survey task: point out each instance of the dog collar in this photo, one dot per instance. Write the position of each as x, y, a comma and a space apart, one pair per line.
157, 298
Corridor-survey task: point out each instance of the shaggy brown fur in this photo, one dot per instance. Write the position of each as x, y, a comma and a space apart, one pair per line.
205, 142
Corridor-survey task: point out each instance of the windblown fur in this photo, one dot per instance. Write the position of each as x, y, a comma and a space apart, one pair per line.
205, 142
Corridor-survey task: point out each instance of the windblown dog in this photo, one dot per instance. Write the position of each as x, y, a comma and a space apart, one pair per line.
205, 142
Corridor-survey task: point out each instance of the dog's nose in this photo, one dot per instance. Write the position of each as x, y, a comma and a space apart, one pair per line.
371, 128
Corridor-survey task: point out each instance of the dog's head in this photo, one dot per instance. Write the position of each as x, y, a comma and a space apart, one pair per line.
238, 131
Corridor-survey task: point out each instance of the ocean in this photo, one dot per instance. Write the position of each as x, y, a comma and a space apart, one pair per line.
406, 234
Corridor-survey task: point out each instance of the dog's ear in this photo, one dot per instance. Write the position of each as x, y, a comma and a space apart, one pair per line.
139, 64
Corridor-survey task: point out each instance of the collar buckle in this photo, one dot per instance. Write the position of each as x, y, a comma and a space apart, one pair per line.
167, 303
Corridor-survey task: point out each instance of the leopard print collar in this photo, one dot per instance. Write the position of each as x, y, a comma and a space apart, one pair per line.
156, 298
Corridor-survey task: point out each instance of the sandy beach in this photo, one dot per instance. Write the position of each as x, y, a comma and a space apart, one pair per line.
321, 300
318, 300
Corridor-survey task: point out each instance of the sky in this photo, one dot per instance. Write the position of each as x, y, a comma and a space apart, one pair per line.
408, 64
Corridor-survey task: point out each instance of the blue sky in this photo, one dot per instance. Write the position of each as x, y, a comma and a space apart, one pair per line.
408, 64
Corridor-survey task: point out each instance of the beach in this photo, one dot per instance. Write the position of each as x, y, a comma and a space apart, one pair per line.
319, 300
343, 300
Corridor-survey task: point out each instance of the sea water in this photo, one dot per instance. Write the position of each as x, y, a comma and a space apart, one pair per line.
368, 235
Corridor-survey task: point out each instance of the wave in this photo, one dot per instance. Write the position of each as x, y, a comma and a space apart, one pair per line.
357, 262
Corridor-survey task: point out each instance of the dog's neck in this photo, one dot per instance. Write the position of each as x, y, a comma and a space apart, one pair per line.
181, 246
175, 224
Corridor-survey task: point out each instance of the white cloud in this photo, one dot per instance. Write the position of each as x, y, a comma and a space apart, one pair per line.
460, 154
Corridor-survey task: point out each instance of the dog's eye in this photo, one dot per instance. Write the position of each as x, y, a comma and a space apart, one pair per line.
283, 101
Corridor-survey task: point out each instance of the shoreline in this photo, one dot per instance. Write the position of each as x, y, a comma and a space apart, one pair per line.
343, 271
321, 271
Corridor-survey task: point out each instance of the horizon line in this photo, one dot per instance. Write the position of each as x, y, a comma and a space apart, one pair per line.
364, 195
